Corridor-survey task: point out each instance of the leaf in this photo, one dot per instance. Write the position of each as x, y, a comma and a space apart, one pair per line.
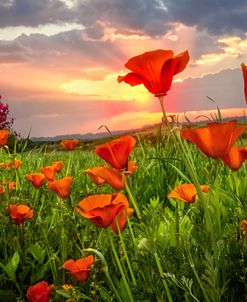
37, 252
39, 273
64, 293
11, 267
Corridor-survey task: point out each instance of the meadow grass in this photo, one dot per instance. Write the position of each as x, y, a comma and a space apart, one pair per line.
175, 252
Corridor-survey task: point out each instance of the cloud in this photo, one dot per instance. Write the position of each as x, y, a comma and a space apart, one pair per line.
34, 12
153, 17
218, 17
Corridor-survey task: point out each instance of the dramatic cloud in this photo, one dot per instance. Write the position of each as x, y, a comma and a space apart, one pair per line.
153, 17
33, 12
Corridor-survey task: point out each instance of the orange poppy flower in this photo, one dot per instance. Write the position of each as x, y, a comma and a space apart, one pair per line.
69, 144
244, 69
2, 165
121, 219
102, 209
9, 164
2, 190
103, 174
11, 185
131, 167
80, 268
186, 192
244, 225
235, 157
17, 163
39, 292
116, 152
57, 166
155, 70
20, 212
216, 139
4, 134
49, 172
61, 187
37, 179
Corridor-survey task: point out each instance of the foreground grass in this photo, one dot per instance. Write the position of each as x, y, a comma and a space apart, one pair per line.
199, 256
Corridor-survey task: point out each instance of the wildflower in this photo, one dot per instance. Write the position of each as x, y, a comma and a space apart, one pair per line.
186, 192
244, 225
11, 185
67, 286
61, 187
57, 166
116, 152
9, 164
155, 70
17, 163
102, 209
2, 190
39, 292
69, 144
80, 268
4, 134
244, 69
49, 172
216, 139
20, 212
235, 157
103, 174
37, 179
121, 219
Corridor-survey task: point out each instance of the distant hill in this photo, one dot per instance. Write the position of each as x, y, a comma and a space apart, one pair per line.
96, 136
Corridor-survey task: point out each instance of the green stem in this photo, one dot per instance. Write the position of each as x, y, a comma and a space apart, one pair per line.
128, 290
131, 198
177, 222
131, 230
162, 277
125, 253
106, 271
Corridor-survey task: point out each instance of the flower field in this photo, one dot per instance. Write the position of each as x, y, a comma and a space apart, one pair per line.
176, 245
134, 218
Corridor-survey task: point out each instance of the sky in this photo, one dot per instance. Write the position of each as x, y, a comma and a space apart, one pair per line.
60, 59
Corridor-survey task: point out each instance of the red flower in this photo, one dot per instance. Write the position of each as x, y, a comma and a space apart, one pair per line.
37, 179
49, 172
116, 152
69, 144
102, 209
79, 269
186, 192
121, 218
235, 157
61, 187
244, 69
57, 166
102, 174
39, 292
17, 163
155, 70
216, 139
20, 212
4, 134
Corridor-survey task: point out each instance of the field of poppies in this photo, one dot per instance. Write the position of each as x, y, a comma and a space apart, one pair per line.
134, 218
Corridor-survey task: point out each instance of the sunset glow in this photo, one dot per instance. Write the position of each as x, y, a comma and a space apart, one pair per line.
61, 63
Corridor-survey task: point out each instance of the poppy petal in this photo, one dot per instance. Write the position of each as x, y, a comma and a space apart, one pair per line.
235, 157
